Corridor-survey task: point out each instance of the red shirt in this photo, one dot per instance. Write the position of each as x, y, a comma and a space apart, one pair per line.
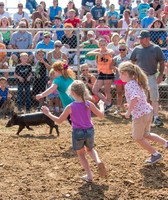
74, 22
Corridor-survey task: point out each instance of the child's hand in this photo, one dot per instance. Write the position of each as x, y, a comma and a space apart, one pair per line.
39, 96
45, 110
21, 79
127, 115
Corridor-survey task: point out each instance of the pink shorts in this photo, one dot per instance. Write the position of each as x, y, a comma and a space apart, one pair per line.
119, 82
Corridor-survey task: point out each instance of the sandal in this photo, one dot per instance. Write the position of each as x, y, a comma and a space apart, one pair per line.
85, 178
102, 170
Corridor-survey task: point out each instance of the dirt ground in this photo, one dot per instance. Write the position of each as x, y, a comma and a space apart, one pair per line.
39, 166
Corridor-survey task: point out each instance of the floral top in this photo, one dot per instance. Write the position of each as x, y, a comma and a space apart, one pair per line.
133, 90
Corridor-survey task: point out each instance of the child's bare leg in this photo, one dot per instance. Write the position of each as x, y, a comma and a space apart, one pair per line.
94, 155
156, 138
82, 158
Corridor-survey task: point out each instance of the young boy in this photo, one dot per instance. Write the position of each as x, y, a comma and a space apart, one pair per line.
23, 73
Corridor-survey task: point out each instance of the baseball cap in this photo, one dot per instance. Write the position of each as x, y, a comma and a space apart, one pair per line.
144, 34
46, 33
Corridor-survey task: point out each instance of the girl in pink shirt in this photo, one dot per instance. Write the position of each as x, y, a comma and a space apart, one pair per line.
140, 109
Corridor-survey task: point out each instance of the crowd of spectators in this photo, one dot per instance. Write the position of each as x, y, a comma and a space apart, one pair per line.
57, 44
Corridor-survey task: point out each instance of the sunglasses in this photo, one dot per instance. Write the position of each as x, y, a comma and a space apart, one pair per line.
38, 22
57, 46
47, 36
122, 49
20, 6
1, 5
85, 70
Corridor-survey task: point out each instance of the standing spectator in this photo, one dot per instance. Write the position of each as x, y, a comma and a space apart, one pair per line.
89, 22
82, 127
4, 13
21, 39
42, 68
54, 10
146, 21
39, 13
124, 23
69, 41
98, 11
157, 7
70, 5
31, 5
143, 8
103, 33
19, 15
112, 17
105, 73
86, 7
122, 57
134, 11
57, 35
75, 21
3, 58
148, 56
23, 73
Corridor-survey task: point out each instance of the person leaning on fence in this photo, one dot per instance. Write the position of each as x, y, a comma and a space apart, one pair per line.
148, 56
23, 73
5, 96
42, 67
140, 110
82, 127
3, 58
105, 73
21, 40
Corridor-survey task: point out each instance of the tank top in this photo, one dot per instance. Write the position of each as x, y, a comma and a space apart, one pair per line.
81, 119
125, 26
104, 64
56, 59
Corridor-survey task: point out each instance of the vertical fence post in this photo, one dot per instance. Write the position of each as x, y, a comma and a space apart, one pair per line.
78, 53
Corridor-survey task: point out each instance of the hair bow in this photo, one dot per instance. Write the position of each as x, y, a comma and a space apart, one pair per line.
65, 66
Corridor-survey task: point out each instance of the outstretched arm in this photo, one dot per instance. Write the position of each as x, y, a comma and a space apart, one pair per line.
50, 90
98, 112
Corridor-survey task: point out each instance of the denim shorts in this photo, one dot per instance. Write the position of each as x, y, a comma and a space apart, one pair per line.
82, 137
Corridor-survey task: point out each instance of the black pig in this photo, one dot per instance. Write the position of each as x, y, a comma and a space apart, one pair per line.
31, 119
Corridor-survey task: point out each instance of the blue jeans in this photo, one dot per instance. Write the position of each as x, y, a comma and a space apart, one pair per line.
30, 5
26, 87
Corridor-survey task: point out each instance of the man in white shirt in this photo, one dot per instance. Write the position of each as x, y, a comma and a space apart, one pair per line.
4, 13
20, 14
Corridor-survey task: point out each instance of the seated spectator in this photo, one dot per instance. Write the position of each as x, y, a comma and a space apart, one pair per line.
98, 11
125, 5
158, 37
23, 73
39, 36
107, 3
56, 54
157, 7
39, 13
38, 23
86, 7
43, 4
164, 17
70, 5
114, 44
21, 39
143, 8
132, 34
90, 43
124, 22
89, 80
31, 5
54, 10
75, 21
112, 17
146, 21
42, 68
19, 15
3, 58
5, 95
89, 22
135, 11
6, 34
4, 13
47, 43
57, 35
69, 41
106, 34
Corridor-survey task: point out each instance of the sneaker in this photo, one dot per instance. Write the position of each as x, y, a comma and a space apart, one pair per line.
107, 108
153, 159
158, 122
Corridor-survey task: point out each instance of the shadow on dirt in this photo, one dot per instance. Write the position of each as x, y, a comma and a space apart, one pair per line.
154, 176
41, 137
92, 191
70, 153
